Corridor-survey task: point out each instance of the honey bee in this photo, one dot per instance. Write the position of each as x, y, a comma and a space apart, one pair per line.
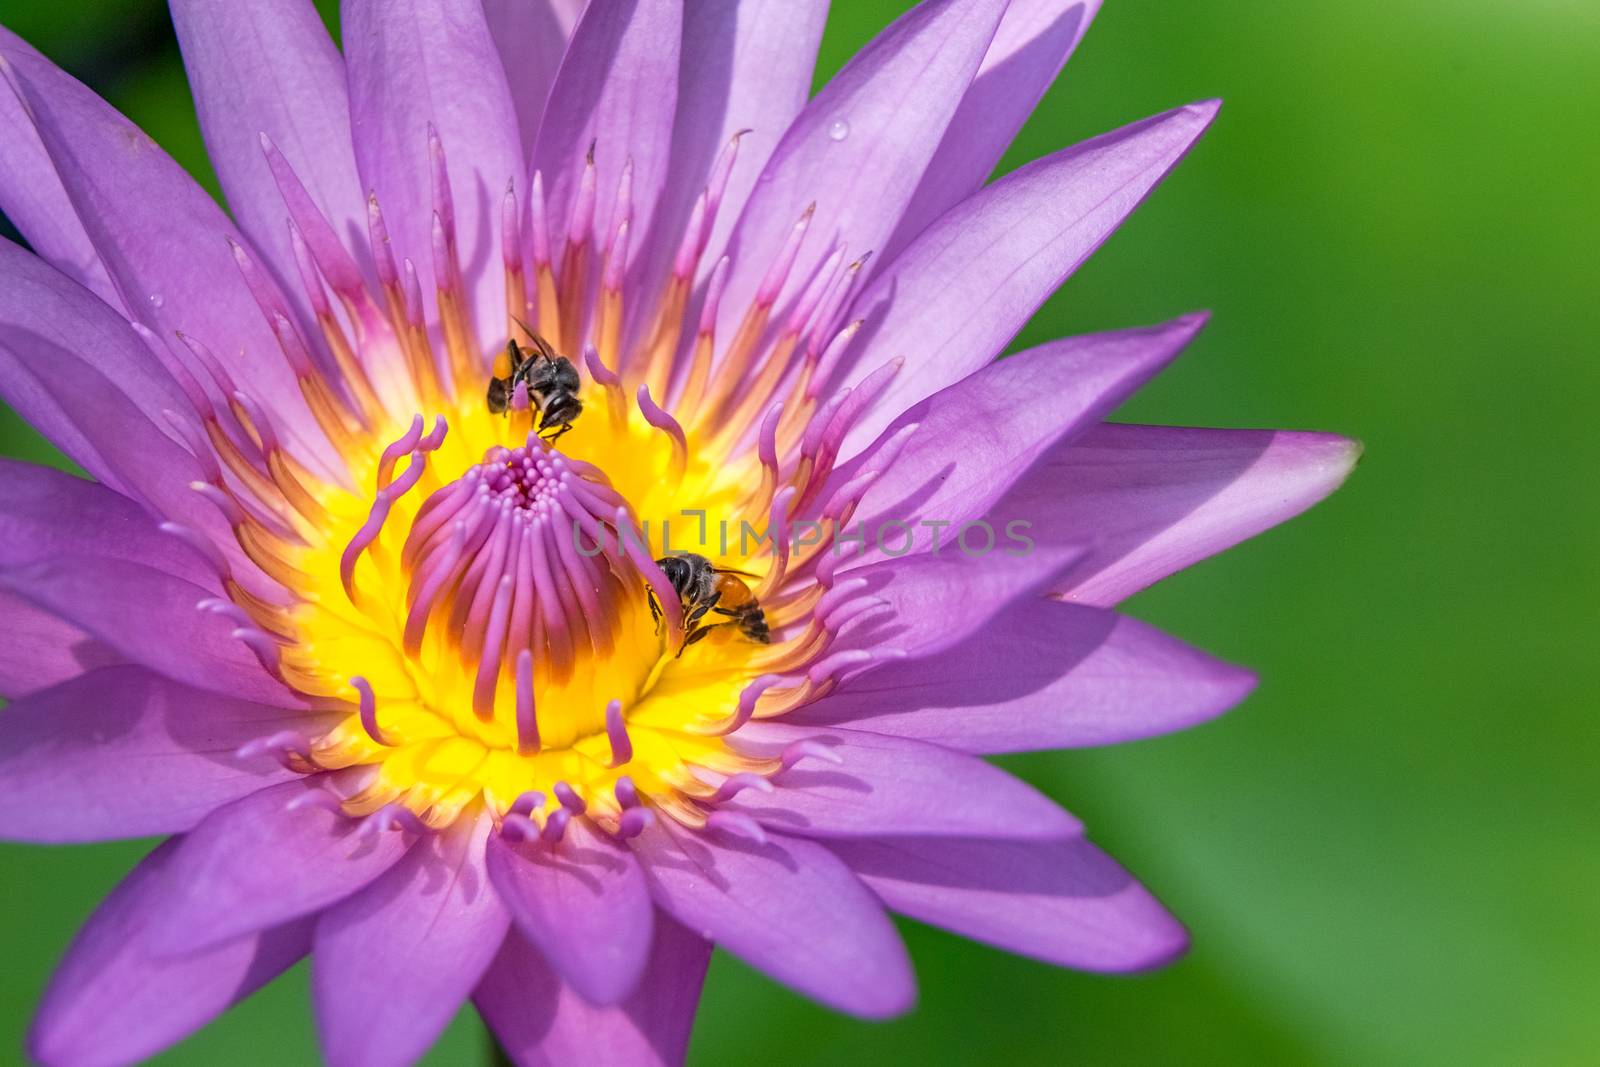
552, 383
703, 589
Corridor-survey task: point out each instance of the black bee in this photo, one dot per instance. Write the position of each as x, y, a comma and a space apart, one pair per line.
552, 383
703, 589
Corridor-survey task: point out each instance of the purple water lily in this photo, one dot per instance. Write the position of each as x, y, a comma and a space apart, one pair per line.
572, 515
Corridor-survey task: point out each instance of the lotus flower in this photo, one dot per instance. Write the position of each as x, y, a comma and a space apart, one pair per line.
572, 515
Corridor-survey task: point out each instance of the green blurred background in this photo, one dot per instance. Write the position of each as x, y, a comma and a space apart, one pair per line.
1390, 853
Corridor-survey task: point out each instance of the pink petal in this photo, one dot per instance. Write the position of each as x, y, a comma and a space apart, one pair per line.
151, 618
45, 512
269, 67
413, 63
1155, 499
788, 908
584, 902
618, 91
120, 752
111, 1003
42, 313
531, 37
163, 240
885, 785
41, 650
541, 1023
975, 438
1041, 675
1033, 43
1004, 250
1064, 902
755, 74
31, 195
106, 408
257, 863
392, 964
861, 145
936, 601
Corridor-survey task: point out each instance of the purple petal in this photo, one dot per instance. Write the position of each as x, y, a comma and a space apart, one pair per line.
584, 902
150, 617
788, 908
111, 1003
541, 1023
41, 307
1154, 499
531, 37
120, 752
416, 62
747, 67
31, 195
617, 90
935, 601
1005, 249
393, 963
88, 417
1033, 43
101, 409
861, 145
889, 785
1041, 675
45, 512
975, 438
271, 68
1064, 902
256, 863
41, 650
162, 238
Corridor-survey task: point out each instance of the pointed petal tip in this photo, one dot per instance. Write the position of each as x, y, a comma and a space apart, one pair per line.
1334, 454
1183, 329
898, 1001
1228, 686
1339, 456
1167, 945
1244, 682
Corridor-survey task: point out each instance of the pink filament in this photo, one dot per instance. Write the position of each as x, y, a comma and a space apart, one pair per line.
617, 732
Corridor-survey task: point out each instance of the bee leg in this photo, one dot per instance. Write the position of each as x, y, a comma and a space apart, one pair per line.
753, 626
697, 614
697, 635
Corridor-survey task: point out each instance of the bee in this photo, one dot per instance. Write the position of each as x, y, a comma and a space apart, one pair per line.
552, 383
703, 589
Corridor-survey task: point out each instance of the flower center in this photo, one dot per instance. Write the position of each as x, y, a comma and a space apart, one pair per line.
568, 593
513, 635
504, 595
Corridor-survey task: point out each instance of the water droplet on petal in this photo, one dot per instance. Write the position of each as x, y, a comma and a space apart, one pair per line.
156, 300
839, 130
